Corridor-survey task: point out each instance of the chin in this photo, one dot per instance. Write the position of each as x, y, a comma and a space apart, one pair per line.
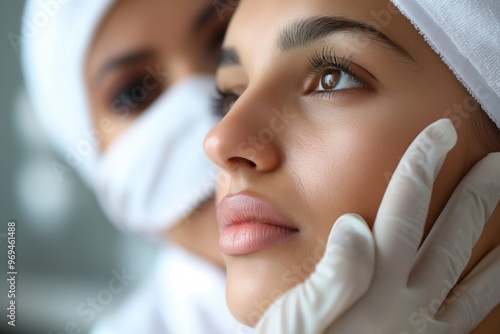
255, 281
246, 300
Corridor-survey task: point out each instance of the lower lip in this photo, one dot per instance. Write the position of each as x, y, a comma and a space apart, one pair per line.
248, 238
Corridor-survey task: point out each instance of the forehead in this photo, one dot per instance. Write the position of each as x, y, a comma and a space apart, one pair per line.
258, 23
133, 24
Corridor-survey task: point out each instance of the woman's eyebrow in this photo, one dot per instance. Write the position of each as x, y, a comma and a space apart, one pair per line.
123, 60
303, 32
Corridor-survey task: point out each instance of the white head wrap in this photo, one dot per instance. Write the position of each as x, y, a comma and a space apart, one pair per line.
55, 37
466, 34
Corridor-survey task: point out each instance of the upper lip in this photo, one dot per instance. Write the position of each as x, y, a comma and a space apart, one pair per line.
243, 208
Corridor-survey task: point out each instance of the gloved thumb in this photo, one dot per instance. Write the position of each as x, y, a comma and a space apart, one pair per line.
341, 278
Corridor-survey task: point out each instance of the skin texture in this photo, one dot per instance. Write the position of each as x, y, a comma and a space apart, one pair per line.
337, 151
170, 48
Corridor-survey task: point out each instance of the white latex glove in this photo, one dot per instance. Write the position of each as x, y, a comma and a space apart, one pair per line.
341, 277
410, 286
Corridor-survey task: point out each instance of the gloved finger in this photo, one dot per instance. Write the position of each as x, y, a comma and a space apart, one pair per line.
447, 250
402, 214
474, 298
341, 277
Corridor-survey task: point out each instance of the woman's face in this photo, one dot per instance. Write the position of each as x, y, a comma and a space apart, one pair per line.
143, 47
322, 99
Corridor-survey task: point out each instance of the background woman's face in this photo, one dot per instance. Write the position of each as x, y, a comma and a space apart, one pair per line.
143, 47
317, 120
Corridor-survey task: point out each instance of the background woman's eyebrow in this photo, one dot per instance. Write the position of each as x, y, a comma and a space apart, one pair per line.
124, 60
204, 18
209, 22
303, 32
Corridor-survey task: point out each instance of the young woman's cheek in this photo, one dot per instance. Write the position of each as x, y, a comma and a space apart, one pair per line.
349, 158
343, 172
359, 156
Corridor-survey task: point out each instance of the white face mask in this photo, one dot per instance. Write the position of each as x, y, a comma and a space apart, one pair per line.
157, 173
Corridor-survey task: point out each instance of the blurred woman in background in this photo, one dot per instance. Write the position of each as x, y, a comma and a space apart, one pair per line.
123, 88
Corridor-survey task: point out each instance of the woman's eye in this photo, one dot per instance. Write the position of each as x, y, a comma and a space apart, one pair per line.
223, 102
331, 73
134, 98
334, 79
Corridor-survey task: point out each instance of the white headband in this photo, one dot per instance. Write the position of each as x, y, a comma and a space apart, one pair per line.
466, 34
55, 38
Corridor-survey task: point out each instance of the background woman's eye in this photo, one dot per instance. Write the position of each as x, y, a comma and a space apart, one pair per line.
134, 97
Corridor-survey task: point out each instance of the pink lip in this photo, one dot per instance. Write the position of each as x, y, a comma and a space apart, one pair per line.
249, 224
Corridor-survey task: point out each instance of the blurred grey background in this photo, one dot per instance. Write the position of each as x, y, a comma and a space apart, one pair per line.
66, 250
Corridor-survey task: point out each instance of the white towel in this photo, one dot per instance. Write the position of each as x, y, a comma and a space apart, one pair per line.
55, 40
466, 34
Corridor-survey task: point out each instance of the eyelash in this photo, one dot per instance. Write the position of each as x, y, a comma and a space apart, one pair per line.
318, 62
327, 59
220, 101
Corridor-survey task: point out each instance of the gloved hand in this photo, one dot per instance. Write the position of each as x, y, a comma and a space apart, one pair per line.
410, 286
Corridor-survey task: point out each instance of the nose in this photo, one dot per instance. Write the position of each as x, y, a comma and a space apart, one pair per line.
248, 137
